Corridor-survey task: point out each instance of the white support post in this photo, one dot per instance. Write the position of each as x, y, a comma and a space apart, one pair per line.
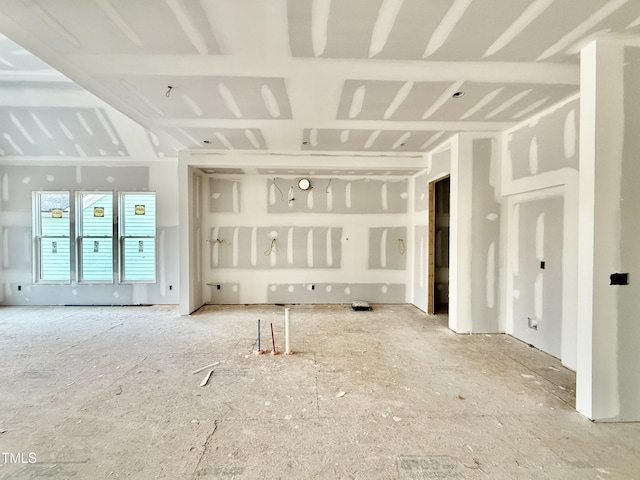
287, 332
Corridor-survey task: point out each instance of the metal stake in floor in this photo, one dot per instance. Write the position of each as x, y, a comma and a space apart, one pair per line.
259, 351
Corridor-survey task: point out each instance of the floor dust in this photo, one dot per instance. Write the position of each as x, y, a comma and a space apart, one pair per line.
110, 392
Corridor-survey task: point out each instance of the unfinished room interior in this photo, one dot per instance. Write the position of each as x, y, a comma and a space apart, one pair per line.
298, 239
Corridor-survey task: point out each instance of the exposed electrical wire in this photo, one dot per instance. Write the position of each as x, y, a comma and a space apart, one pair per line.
218, 241
276, 185
401, 246
169, 88
271, 249
328, 185
291, 199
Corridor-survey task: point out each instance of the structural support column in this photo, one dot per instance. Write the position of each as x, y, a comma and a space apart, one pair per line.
460, 239
190, 283
475, 232
184, 254
608, 357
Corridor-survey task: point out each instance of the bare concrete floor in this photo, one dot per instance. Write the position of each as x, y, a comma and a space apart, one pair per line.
90, 393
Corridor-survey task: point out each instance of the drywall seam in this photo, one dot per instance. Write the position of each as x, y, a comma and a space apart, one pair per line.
254, 246
542, 181
310, 248
290, 245
533, 120
491, 275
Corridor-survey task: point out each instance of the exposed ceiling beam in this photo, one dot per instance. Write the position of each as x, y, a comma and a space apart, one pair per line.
217, 65
324, 160
335, 124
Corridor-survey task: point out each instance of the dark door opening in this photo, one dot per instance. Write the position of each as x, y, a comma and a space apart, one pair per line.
439, 209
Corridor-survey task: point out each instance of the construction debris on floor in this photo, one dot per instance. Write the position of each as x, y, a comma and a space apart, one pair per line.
389, 394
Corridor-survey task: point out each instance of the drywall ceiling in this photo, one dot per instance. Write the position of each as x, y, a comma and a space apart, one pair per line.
305, 77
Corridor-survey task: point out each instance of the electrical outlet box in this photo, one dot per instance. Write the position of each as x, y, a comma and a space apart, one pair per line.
542, 265
619, 279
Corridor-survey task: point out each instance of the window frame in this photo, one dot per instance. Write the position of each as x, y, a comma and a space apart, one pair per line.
79, 194
37, 236
122, 236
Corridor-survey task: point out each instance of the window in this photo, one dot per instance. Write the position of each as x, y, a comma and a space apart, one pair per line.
137, 231
95, 244
95, 237
52, 237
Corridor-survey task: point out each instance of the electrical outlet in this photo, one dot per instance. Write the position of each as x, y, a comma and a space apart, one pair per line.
313, 287
19, 288
170, 287
542, 264
218, 286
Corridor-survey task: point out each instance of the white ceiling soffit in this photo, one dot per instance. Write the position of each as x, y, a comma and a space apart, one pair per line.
299, 76
44, 115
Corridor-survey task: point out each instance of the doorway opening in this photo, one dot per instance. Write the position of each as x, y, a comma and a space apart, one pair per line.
439, 211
